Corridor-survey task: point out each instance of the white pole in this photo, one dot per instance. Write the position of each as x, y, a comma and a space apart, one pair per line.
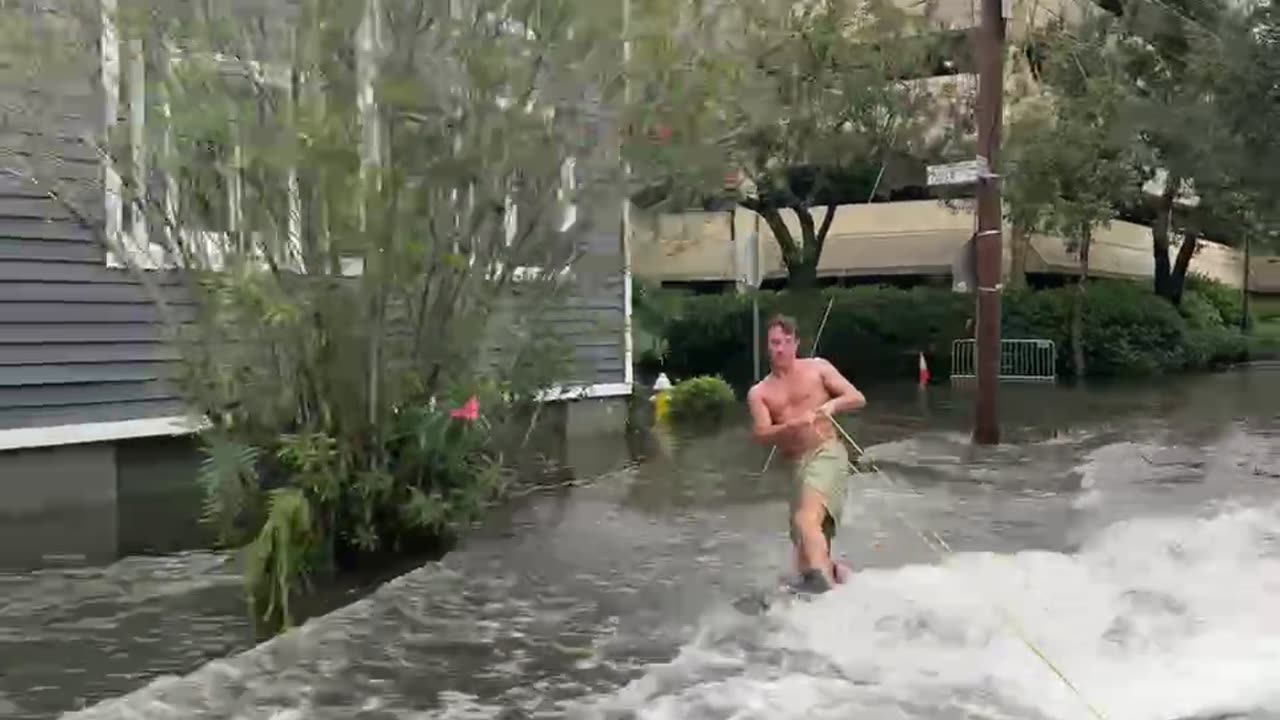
755, 299
628, 346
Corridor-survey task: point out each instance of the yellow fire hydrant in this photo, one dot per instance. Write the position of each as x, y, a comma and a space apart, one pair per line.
661, 398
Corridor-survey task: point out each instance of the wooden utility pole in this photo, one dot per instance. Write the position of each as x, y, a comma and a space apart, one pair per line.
987, 243
1246, 320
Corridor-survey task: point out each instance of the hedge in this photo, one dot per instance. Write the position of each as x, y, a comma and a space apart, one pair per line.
702, 402
876, 333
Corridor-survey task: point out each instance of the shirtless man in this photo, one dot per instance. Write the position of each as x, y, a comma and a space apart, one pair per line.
792, 408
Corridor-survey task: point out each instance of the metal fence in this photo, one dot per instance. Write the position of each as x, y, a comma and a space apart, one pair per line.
1031, 360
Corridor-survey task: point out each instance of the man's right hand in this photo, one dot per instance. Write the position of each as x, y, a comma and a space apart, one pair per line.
804, 419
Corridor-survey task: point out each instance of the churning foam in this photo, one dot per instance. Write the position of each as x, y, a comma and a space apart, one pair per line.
1155, 619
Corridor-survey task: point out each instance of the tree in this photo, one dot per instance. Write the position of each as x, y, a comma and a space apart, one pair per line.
1166, 50
1248, 103
781, 108
1071, 159
333, 203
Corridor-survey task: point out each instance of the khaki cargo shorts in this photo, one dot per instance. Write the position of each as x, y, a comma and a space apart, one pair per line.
826, 470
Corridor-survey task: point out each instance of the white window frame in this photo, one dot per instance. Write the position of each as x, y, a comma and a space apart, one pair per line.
568, 186
135, 239
148, 254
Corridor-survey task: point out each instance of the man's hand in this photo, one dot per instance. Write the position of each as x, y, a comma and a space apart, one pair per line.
846, 397
808, 417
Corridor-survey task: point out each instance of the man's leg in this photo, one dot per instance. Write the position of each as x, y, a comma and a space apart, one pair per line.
807, 521
839, 571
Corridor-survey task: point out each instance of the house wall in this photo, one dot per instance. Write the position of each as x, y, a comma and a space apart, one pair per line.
82, 362
94, 461
78, 341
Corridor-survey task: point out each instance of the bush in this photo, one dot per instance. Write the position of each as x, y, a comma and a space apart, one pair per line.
1264, 342
875, 333
1214, 347
1199, 312
310, 504
1128, 331
703, 402
1224, 299
871, 332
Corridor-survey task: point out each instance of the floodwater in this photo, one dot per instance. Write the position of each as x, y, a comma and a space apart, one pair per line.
1119, 558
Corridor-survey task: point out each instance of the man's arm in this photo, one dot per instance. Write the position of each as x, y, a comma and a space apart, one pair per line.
846, 397
763, 429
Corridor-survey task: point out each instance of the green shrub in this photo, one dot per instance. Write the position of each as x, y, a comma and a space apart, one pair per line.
1264, 342
871, 332
704, 401
875, 333
1214, 347
1129, 331
1199, 311
712, 336
1224, 298
1265, 309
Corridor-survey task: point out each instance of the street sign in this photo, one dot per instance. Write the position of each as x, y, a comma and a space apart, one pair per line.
957, 173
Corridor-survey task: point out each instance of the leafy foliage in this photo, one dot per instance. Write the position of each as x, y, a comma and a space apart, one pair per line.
871, 332
874, 333
1074, 160
702, 402
1191, 81
229, 477
283, 556
781, 108
352, 216
1225, 305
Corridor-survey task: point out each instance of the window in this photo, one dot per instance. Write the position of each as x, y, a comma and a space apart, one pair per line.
197, 184
189, 174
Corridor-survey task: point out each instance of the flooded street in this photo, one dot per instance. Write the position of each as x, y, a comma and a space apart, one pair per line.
1129, 534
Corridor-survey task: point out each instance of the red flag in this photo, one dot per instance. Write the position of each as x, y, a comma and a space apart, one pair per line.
470, 410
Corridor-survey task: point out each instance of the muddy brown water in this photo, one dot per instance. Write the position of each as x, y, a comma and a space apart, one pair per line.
1132, 533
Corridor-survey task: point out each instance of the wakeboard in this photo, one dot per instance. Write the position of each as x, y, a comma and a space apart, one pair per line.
796, 587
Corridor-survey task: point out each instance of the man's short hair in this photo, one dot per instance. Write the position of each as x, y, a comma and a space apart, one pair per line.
785, 322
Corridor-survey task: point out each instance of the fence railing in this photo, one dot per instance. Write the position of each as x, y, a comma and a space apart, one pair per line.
1031, 360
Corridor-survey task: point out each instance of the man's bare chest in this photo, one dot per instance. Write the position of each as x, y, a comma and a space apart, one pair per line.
797, 395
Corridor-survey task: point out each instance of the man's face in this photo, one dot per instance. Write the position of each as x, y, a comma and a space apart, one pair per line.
782, 347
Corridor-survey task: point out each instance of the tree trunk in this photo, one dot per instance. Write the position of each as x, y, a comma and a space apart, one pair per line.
1161, 229
1077, 312
801, 259
772, 217
802, 276
1019, 249
1178, 278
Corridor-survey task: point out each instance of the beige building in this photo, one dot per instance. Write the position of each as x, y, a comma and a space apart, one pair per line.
910, 241
926, 240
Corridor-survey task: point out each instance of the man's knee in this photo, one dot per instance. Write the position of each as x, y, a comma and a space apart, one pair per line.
806, 520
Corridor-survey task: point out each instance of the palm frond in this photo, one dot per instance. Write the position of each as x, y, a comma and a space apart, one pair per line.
229, 477
280, 560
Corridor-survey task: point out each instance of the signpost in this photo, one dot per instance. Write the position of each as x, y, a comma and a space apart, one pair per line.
964, 172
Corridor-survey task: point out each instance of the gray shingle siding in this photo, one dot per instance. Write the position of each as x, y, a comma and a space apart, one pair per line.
593, 320
78, 342
590, 316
